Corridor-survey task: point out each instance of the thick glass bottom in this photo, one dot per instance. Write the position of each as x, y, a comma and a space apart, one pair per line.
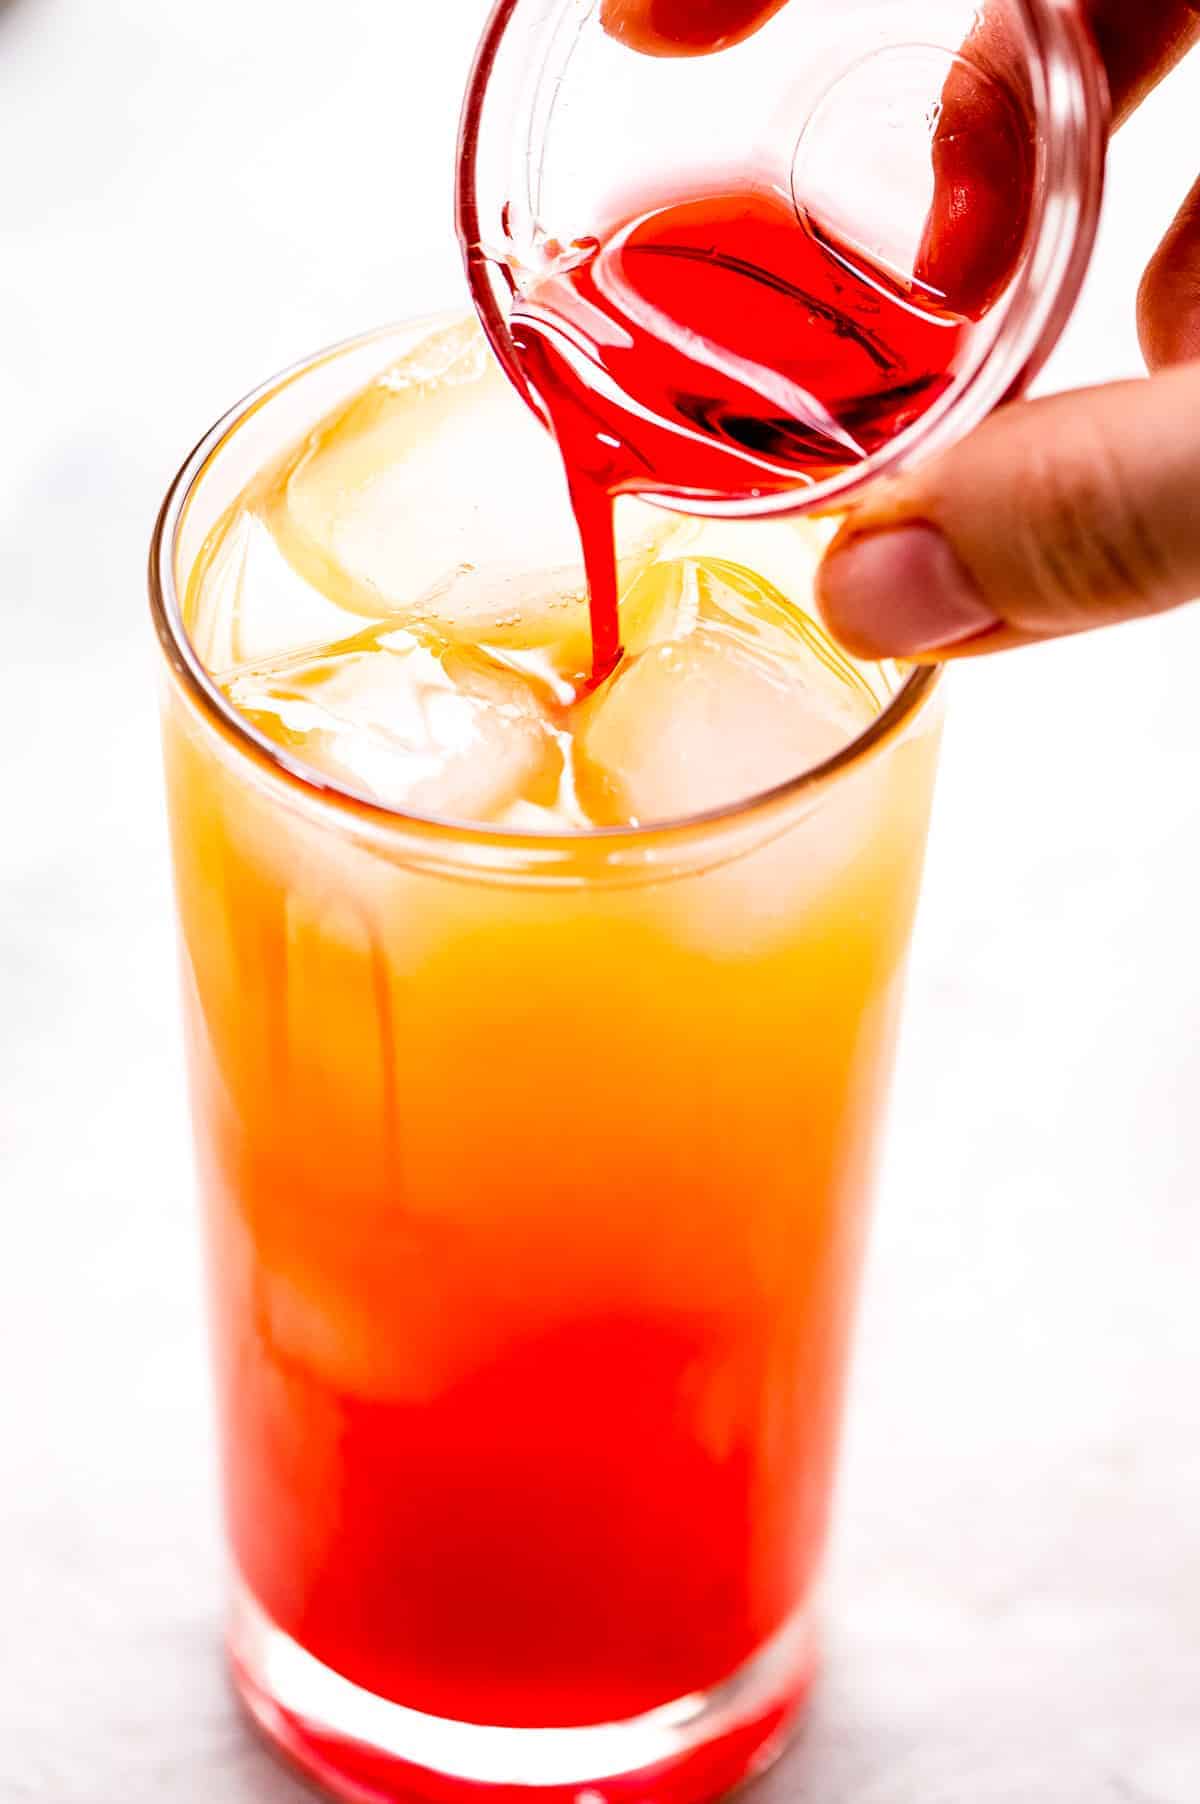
365, 1749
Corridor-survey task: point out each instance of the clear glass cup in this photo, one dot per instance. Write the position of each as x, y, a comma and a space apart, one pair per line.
871, 115
535, 1171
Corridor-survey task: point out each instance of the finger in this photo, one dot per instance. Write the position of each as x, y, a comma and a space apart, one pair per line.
982, 149
983, 174
1055, 516
1139, 42
685, 27
1169, 298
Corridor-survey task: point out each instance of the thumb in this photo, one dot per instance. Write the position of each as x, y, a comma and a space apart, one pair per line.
1055, 516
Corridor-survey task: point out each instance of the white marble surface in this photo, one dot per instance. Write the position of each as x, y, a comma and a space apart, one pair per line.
191, 197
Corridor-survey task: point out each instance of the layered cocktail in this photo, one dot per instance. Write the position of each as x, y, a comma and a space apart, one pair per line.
539, 1032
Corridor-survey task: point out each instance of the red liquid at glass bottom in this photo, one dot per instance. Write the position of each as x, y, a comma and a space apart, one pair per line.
720, 348
548, 1543
551, 1541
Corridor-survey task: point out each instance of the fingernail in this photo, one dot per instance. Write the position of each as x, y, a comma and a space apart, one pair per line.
899, 592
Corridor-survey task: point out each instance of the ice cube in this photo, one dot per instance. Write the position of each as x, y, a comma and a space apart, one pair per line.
736, 691
426, 726
435, 497
246, 602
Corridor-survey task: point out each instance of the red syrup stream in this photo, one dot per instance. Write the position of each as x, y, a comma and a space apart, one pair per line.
719, 348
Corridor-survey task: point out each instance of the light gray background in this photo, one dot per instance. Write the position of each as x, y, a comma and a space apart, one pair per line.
190, 196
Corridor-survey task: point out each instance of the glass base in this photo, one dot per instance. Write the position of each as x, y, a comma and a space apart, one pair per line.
362, 1748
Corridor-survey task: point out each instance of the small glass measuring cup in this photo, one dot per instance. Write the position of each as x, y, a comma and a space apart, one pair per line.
957, 150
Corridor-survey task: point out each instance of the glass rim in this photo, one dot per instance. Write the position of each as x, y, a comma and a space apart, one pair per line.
188, 669
1071, 98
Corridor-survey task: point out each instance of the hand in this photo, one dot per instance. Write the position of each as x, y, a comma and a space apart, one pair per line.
1057, 515
1061, 514
684, 27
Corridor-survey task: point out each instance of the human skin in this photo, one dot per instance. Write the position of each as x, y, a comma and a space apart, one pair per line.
1057, 515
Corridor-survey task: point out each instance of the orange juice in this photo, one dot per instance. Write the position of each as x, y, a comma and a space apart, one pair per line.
539, 1038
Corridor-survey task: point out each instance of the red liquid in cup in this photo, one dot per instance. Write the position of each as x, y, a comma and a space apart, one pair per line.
719, 348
